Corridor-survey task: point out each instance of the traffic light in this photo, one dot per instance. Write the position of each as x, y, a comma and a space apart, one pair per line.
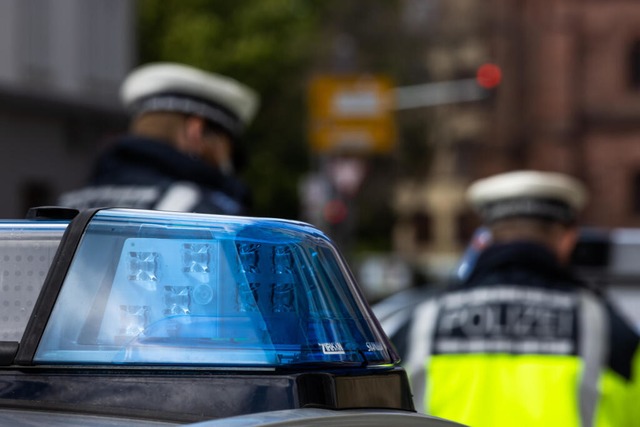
335, 212
488, 76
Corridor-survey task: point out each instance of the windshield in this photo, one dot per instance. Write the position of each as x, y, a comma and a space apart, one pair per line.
166, 288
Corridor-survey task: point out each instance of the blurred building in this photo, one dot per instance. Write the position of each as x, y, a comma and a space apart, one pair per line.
60, 67
569, 101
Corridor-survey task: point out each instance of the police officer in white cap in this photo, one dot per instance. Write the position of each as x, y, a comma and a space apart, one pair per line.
542, 207
181, 151
521, 341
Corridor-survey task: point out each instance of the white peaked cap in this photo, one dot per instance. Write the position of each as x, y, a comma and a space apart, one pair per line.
177, 87
536, 193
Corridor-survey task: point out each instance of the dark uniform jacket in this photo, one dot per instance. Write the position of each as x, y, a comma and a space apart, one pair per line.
522, 342
142, 173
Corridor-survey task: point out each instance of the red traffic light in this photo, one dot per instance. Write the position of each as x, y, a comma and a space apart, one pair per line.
335, 211
489, 76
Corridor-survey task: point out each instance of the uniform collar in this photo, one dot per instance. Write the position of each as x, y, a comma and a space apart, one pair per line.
528, 257
166, 159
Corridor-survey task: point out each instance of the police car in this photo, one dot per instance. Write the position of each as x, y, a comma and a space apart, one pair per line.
147, 318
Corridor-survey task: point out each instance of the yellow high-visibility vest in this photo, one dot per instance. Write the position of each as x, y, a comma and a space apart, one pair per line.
475, 361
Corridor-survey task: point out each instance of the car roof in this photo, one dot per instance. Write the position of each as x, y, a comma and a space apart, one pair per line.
35, 417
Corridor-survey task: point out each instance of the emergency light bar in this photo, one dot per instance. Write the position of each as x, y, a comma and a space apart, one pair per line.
149, 287
27, 249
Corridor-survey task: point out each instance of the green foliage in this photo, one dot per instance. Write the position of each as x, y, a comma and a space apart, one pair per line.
252, 40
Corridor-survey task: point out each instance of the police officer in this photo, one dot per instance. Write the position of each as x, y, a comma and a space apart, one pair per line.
180, 153
521, 341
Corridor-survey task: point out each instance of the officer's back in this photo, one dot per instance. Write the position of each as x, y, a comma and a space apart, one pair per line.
520, 341
179, 154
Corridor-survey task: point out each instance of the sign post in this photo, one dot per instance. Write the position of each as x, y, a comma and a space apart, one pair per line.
351, 117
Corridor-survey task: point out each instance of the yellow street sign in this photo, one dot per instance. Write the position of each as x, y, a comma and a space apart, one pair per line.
351, 114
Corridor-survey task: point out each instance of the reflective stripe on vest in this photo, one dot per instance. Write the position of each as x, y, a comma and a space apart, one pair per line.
420, 341
594, 344
179, 197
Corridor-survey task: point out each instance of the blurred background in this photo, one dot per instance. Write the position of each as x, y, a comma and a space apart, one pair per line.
375, 116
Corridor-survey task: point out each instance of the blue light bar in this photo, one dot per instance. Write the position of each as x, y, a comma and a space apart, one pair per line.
148, 287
